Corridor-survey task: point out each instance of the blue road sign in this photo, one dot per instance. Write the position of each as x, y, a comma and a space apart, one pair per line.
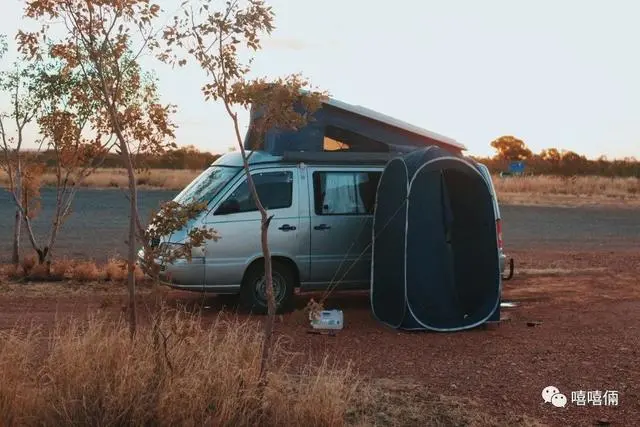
516, 167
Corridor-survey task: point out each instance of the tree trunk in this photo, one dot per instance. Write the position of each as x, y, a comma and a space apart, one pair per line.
17, 227
133, 209
271, 303
131, 278
268, 276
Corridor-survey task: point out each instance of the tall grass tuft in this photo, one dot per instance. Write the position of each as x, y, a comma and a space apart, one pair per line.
91, 373
115, 270
86, 271
60, 268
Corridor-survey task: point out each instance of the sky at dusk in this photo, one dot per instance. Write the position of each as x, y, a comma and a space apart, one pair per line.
554, 73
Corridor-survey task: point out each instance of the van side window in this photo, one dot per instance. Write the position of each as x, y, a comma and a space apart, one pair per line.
275, 190
345, 193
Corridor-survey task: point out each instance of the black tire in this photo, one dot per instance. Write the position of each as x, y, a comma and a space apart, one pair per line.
253, 295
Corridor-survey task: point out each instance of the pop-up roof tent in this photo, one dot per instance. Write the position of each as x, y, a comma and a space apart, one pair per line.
435, 259
353, 127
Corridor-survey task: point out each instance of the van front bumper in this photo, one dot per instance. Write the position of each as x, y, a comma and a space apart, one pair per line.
163, 270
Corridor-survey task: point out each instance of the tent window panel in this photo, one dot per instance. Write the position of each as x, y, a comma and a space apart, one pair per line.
345, 193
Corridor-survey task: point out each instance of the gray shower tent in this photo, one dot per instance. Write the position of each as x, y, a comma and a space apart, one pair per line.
435, 259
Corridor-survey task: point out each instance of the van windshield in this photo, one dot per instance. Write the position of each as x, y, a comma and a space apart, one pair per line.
207, 184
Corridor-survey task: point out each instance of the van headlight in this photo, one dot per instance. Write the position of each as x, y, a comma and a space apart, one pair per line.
170, 247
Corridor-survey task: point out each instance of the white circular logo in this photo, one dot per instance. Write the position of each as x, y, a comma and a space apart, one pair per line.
548, 393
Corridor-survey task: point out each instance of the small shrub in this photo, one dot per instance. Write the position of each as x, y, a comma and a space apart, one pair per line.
139, 274
28, 263
14, 272
115, 270
39, 272
60, 268
86, 271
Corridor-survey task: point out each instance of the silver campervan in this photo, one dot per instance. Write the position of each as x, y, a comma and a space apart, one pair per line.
320, 235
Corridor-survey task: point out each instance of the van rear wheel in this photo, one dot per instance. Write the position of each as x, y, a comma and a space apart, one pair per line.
253, 293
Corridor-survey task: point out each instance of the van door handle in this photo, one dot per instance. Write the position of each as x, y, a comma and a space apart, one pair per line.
322, 227
287, 227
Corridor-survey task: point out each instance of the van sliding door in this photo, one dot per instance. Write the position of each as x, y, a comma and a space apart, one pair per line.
341, 219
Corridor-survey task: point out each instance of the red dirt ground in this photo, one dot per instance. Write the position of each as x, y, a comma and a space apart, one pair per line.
586, 310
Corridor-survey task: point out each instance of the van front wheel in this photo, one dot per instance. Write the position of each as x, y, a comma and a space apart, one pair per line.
253, 293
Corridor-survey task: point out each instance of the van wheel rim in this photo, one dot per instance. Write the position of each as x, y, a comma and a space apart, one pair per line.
279, 287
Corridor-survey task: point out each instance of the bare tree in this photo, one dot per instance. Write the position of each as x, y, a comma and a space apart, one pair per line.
215, 39
44, 94
15, 253
78, 142
98, 45
20, 86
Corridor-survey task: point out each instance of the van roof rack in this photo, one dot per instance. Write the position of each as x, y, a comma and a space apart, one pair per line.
353, 157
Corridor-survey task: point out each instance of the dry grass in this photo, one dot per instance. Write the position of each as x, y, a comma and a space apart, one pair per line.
27, 264
27, 269
580, 185
65, 269
86, 271
116, 271
92, 374
11, 272
38, 272
167, 179
60, 268
556, 190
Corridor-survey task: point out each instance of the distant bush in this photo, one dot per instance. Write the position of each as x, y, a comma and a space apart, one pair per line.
60, 268
569, 165
182, 158
552, 161
116, 271
86, 271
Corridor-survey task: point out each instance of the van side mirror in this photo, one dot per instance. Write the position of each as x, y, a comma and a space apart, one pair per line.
228, 207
